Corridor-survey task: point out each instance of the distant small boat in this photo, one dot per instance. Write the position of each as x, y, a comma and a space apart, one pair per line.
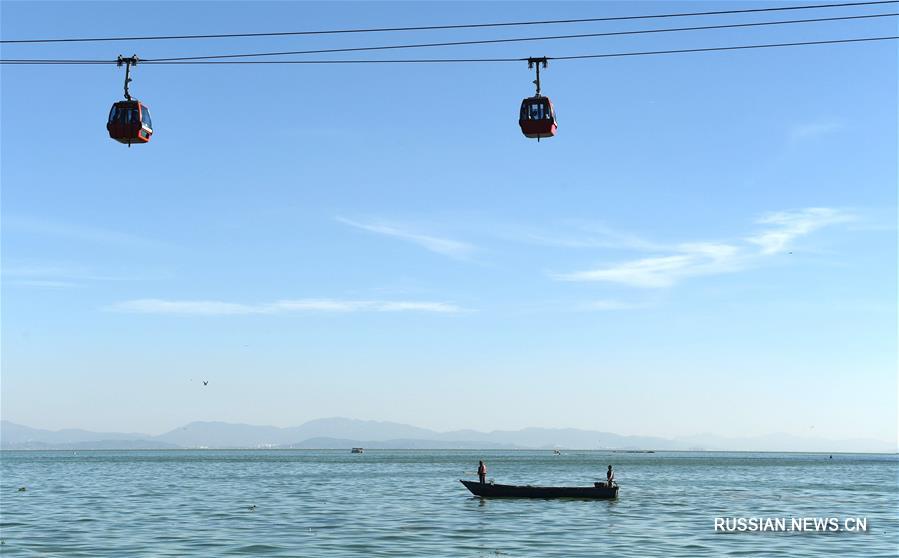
557, 452
357, 450
599, 490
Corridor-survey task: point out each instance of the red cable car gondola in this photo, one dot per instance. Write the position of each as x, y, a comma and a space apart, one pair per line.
537, 117
129, 120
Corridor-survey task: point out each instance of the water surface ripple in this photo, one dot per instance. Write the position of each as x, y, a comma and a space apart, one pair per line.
410, 503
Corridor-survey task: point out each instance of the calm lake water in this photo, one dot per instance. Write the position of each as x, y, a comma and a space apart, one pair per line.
410, 503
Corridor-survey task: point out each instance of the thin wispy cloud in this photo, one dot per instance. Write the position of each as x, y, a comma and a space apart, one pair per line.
187, 307
663, 271
612, 305
600, 234
577, 234
72, 231
444, 246
221, 308
69, 272
785, 227
810, 130
40, 283
63, 275
695, 259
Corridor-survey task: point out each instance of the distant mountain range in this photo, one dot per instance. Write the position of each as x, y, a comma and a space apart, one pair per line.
342, 433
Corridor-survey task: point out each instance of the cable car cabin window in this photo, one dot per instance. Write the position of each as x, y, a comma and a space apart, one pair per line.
124, 115
118, 115
536, 110
145, 117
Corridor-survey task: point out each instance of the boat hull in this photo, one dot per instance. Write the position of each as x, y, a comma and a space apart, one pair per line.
490, 490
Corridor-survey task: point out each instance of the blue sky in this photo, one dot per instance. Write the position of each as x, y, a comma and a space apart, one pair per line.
708, 245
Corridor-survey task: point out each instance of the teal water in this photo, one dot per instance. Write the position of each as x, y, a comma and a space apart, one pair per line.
410, 503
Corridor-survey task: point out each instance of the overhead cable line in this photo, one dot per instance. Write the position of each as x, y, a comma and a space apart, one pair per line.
457, 60
739, 47
441, 27
519, 39
510, 40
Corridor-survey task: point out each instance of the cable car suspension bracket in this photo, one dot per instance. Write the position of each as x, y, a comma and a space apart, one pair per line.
128, 62
537, 62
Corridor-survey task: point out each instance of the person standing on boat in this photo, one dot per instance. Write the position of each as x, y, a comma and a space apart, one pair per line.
482, 472
610, 477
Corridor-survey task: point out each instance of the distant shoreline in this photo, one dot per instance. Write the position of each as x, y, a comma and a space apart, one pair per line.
343, 433
460, 450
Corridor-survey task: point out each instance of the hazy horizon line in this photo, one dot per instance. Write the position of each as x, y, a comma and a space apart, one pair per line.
682, 437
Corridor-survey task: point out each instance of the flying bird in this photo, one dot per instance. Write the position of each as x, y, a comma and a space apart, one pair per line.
205, 382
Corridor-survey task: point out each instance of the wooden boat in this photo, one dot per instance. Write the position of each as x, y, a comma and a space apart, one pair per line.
490, 490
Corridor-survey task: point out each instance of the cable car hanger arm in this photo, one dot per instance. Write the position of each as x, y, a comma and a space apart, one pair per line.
128, 62
537, 62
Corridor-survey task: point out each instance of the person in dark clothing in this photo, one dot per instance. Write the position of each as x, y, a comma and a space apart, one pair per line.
482, 472
610, 477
